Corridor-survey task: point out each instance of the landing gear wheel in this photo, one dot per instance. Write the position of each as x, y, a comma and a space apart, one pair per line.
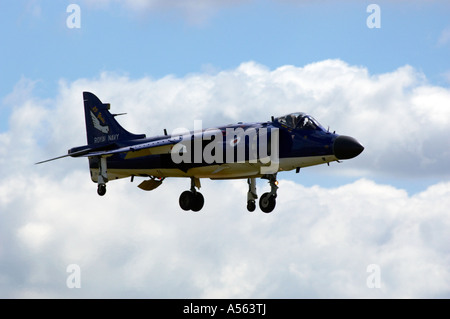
101, 189
251, 206
198, 202
267, 203
186, 200
191, 201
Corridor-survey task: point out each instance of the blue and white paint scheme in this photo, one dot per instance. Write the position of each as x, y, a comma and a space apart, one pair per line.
238, 151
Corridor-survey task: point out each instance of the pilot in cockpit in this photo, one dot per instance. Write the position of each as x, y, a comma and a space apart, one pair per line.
291, 120
299, 121
306, 123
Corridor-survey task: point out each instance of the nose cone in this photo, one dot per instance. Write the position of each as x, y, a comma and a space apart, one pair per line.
346, 147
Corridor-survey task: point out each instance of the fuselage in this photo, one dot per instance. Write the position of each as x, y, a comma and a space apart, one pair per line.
243, 150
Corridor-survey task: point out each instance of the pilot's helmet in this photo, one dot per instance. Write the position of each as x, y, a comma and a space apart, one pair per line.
300, 121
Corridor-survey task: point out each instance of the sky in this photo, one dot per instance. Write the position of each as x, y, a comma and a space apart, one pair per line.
375, 226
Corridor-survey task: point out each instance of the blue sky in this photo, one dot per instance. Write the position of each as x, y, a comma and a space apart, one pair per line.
168, 63
39, 46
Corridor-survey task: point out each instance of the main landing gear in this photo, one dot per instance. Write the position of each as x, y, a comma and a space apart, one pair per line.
267, 201
192, 199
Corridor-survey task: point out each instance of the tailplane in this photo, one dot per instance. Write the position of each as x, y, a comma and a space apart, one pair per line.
101, 125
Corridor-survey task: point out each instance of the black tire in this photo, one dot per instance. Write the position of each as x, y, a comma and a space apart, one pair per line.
101, 189
198, 202
186, 200
267, 203
251, 206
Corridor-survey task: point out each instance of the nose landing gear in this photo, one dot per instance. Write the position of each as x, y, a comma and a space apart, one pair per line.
267, 201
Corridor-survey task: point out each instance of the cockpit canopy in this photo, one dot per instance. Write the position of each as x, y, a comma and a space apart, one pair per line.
299, 121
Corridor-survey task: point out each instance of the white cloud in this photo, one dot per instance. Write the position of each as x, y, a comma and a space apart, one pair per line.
318, 242
399, 117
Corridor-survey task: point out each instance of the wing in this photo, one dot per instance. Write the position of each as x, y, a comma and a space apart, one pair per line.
156, 147
139, 150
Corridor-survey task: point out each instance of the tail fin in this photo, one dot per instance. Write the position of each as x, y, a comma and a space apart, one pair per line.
101, 126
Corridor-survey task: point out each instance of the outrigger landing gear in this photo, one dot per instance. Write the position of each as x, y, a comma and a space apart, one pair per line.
101, 189
102, 176
251, 195
192, 199
267, 201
